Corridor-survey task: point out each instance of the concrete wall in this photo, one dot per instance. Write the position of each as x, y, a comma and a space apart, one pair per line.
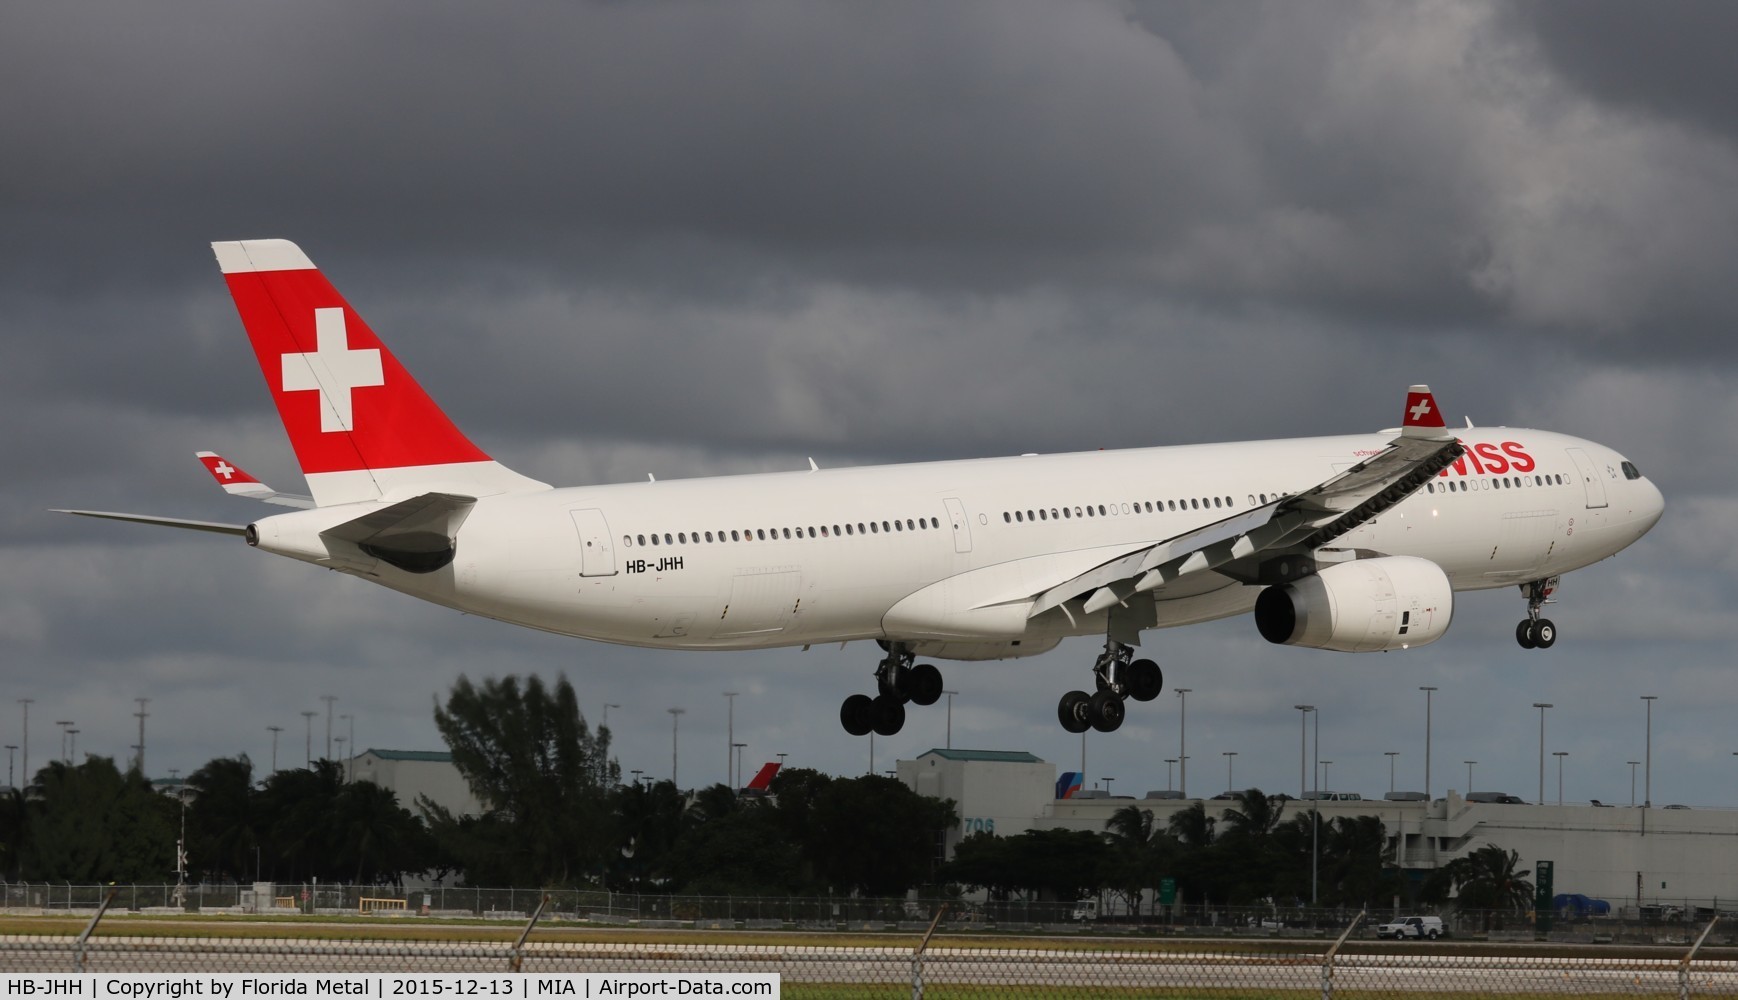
1000, 797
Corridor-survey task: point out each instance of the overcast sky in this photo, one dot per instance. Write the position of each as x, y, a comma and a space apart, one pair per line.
701, 238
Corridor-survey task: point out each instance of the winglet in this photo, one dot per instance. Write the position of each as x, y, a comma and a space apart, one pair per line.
1422, 417
238, 483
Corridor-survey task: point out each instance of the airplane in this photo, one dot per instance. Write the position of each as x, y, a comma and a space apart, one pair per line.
1354, 543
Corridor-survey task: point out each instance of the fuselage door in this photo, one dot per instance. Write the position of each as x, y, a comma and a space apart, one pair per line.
1589, 478
597, 557
962, 531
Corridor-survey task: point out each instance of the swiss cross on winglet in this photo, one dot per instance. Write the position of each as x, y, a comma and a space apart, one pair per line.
227, 475
237, 483
1422, 418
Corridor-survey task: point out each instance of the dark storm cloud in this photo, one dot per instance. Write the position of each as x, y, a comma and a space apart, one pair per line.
1671, 59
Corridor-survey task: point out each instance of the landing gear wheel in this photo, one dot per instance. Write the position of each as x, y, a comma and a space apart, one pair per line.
1145, 680
888, 715
923, 684
1524, 635
1072, 711
1106, 712
1544, 633
857, 715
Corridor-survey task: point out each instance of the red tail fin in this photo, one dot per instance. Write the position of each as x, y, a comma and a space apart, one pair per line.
353, 413
763, 780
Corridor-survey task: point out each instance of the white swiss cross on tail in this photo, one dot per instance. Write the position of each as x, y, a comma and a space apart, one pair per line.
1423, 418
334, 370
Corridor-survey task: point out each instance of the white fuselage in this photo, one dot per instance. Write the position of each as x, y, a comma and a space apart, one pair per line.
949, 555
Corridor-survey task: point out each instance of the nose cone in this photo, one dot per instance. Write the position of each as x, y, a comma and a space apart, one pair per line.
1649, 506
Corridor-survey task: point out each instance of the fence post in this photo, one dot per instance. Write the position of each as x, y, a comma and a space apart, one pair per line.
1684, 963
519, 945
78, 947
1328, 960
917, 956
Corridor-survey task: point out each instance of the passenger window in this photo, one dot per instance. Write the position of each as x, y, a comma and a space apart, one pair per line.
1043, 515
1067, 513
654, 539
898, 527
874, 529
1089, 510
861, 530
1215, 501
1006, 518
824, 530
1018, 516
627, 541
642, 539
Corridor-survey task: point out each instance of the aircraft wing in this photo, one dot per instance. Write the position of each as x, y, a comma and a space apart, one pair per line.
236, 482
1301, 522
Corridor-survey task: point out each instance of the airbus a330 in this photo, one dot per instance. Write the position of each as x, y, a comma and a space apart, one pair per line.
1356, 543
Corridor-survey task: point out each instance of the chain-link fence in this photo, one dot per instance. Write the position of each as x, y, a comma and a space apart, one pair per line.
938, 967
1624, 922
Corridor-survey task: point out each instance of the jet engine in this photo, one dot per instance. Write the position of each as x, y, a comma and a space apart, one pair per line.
1390, 602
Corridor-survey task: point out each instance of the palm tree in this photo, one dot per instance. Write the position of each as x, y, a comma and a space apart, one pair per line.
1138, 845
1488, 879
1256, 813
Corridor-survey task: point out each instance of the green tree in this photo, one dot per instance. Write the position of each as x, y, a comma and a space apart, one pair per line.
1140, 853
1490, 879
91, 823
875, 836
531, 760
221, 833
1245, 856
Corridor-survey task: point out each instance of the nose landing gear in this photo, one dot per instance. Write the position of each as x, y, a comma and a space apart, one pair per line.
1118, 676
1535, 632
898, 679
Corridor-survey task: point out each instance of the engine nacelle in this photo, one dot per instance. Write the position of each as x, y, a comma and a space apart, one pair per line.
1361, 606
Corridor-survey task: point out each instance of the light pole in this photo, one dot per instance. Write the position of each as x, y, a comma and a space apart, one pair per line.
308, 720
1647, 785
1315, 815
781, 760
1303, 718
1170, 773
729, 733
1182, 739
329, 699
63, 723
1230, 778
350, 762
73, 756
636, 772
1325, 765
25, 742
9, 748
605, 722
739, 748
950, 695
275, 730
1559, 754
1633, 764
1541, 706
141, 713
675, 724
1107, 782
1469, 764
1390, 754
343, 772
1428, 691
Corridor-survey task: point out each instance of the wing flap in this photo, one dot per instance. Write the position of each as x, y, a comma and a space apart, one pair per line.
1303, 522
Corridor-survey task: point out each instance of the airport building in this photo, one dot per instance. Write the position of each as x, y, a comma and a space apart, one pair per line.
1627, 856
411, 774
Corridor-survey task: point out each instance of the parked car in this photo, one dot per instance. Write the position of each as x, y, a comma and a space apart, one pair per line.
1413, 929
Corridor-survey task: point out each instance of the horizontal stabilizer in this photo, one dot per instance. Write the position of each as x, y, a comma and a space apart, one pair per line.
167, 522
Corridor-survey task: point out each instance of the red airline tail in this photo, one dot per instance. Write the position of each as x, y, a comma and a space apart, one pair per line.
763, 781
361, 426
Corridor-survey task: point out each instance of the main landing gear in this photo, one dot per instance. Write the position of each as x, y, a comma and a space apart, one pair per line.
1118, 677
900, 679
1535, 632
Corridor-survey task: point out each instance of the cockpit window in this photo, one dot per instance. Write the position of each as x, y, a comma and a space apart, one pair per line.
1630, 471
